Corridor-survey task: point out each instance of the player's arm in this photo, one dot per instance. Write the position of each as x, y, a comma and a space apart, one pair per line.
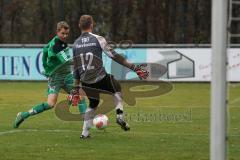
75, 69
142, 74
44, 61
59, 50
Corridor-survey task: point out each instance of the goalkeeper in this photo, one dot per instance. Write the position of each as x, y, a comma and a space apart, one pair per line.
57, 67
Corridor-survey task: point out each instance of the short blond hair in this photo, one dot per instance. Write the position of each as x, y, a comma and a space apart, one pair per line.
62, 24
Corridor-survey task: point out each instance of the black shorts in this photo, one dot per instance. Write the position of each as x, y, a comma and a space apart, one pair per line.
108, 85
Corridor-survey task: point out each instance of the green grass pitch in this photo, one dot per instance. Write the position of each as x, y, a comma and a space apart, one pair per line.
173, 126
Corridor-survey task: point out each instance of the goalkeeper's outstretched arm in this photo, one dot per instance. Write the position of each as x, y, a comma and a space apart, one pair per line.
121, 60
142, 73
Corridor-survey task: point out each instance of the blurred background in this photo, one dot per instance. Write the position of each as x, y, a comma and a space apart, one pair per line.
173, 37
142, 21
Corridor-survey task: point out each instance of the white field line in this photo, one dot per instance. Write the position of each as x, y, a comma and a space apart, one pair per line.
36, 130
74, 131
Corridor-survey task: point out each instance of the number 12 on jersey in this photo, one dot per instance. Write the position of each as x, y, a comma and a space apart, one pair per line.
88, 58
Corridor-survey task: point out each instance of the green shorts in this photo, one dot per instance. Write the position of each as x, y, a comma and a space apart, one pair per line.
57, 82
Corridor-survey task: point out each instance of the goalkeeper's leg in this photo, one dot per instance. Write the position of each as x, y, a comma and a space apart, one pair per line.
114, 86
21, 116
119, 111
89, 115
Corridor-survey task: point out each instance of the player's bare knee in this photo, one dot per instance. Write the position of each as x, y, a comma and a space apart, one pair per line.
51, 104
52, 99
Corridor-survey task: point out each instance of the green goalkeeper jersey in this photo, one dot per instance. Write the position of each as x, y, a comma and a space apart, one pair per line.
56, 58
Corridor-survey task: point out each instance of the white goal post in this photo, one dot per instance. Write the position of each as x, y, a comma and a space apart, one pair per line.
218, 118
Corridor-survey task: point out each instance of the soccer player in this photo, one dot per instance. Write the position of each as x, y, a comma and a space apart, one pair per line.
89, 70
57, 67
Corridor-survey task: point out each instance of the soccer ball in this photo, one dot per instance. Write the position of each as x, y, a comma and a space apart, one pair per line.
100, 121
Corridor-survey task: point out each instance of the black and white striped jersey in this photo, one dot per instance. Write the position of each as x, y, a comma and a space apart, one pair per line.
87, 57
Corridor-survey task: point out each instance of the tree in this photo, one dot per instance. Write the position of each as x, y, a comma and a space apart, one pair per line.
142, 21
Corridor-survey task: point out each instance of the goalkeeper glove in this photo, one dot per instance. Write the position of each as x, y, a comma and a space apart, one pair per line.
74, 96
140, 71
